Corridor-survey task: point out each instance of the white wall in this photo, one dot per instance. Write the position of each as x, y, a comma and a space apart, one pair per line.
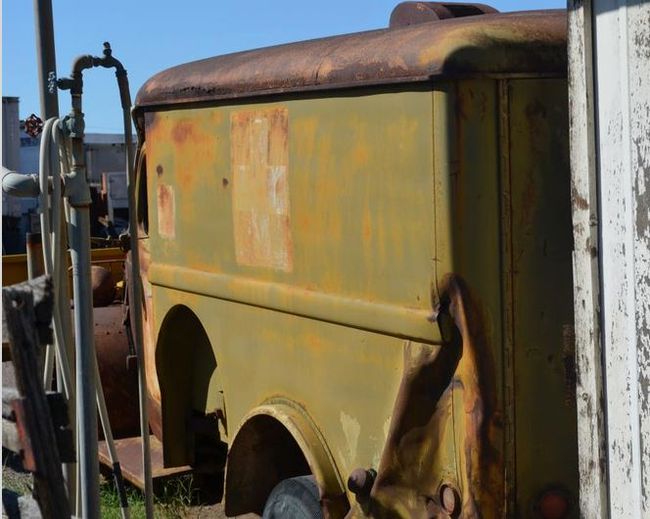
10, 150
609, 56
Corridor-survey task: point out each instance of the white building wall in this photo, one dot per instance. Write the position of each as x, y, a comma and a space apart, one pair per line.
610, 140
10, 149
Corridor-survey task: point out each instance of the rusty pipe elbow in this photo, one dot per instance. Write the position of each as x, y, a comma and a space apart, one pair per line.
82, 63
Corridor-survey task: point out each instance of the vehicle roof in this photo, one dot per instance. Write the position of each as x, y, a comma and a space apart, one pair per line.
531, 42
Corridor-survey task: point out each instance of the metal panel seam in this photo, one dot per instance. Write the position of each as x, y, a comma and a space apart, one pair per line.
375, 317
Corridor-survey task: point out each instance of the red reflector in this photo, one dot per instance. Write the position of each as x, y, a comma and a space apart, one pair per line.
553, 505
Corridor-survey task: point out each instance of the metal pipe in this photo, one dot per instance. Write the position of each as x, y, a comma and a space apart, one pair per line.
137, 314
109, 61
85, 372
17, 184
78, 194
110, 443
46, 57
125, 98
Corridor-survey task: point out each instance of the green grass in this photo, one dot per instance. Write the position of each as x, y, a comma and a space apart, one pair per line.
172, 502
12, 478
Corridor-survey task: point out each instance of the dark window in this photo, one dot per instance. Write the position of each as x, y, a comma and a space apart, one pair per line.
142, 198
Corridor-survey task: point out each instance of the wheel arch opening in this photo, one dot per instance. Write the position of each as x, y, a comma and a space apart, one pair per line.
185, 363
277, 442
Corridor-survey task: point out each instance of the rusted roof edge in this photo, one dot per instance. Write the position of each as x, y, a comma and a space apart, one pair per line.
413, 83
532, 43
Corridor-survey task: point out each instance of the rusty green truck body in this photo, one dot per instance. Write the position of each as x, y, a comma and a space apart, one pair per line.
357, 255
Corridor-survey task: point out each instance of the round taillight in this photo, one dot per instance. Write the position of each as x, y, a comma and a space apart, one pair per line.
553, 504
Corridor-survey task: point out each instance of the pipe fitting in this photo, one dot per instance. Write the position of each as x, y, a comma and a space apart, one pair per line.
77, 189
82, 63
73, 125
20, 185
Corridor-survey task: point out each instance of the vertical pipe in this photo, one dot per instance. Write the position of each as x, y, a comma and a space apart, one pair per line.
46, 57
78, 193
85, 370
137, 306
110, 443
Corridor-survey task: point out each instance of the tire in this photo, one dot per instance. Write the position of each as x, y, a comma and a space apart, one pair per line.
294, 498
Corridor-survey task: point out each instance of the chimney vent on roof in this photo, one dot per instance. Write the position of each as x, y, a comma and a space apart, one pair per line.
412, 13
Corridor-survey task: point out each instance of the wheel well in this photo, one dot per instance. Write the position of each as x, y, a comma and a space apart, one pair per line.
278, 440
264, 453
185, 362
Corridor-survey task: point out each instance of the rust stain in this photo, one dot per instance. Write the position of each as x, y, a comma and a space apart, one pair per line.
435, 379
166, 211
259, 163
182, 132
530, 41
195, 141
118, 381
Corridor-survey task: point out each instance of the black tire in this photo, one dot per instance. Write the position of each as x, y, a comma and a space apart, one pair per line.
294, 498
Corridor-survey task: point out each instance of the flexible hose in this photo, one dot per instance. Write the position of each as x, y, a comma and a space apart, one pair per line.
51, 235
54, 240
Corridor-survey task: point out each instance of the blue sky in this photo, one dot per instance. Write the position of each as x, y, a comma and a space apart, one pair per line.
149, 36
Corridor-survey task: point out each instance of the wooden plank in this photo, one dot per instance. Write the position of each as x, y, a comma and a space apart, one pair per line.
28, 313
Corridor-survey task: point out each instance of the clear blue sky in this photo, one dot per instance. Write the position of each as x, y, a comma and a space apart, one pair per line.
149, 36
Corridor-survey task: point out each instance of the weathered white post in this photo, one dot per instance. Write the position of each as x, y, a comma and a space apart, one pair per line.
609, 90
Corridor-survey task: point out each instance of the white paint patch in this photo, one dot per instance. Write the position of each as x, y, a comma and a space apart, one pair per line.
259, 162
387, 427
351, 430
166, 204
